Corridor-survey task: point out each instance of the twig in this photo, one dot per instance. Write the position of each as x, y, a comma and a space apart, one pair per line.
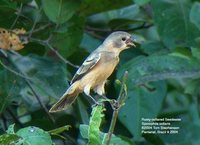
89, 28
4, 121
143, 26
39, 101
46, 43
13, 71
7, 97
92, 31
34, 93
14, 117
40, 28
27, 80
18, 15
116, 106
35, 22
61, 57
70, 139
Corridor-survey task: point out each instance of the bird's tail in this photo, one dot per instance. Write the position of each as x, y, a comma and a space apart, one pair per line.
67, 99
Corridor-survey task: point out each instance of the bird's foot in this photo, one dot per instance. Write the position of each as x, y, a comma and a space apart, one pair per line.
115, 104
104, 99
95, 102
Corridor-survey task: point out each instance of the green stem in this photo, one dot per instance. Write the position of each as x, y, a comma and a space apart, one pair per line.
112, 127
116, 106
29, 84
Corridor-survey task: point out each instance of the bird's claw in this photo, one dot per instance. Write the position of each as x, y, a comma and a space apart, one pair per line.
115, 104
97, 104
94, 105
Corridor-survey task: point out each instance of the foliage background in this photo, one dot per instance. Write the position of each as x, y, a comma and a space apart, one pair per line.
164, 69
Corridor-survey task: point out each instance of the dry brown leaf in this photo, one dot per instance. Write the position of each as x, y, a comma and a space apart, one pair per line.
11, 39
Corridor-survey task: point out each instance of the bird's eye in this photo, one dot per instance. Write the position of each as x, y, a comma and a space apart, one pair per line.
123, 38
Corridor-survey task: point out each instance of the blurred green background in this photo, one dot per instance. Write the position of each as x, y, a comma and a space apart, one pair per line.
163, 79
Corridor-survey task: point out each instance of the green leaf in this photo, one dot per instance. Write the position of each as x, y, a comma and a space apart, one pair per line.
34, 136
194, 14
153, 47
176, 103
195, 52
48, 78
154, 68
172, 21
68, 37
59, 130
83, 113
192, 87
10, 139
146, 69
94, 125
89, 7
154, 139
140, 103
59, 11
89, 43
114, 140
117, 18
84, 130
10, 89
8, 4
10, 129
188, 134
7, 8
141, 2
23, 111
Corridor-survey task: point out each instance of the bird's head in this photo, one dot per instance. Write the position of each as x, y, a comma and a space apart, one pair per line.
119, 41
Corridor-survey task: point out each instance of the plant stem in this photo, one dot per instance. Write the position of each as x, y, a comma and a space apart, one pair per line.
29, 84
18, 15
116, 106
13, 71
112, 127
46, 43
14, 117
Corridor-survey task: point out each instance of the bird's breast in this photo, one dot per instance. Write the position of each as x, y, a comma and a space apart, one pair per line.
103, 69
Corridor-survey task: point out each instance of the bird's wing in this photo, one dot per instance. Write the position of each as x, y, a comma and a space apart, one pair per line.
87, 65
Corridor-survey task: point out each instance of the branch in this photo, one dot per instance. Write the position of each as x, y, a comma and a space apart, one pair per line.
18, 15
35, 22
61, 57
33, 91
39, 101
46, 43
92, 31
30, 86
89, 28
4, 121
13, 71
143, 26
14, 117
116, 106
40, 28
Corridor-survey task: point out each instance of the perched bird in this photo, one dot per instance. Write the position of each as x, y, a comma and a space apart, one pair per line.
95, 70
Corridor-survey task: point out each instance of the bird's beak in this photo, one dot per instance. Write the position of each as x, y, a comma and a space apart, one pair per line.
130, 42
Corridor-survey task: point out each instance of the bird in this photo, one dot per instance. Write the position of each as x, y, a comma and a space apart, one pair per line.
95, 70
